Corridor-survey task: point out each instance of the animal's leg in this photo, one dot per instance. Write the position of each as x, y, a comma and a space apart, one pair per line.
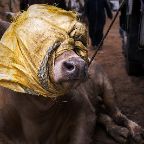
110, 105
136, 132
118, 133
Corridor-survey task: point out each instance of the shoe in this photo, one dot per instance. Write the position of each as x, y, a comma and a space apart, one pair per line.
100, 51
95, 47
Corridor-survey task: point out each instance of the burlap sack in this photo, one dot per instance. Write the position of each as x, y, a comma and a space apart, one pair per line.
31, 44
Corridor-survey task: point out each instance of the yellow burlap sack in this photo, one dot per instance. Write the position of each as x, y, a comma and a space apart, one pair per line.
31, 44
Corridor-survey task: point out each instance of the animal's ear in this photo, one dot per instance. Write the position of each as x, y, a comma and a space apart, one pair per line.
3, 27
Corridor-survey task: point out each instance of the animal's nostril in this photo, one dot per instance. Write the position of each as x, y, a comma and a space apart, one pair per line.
68, 65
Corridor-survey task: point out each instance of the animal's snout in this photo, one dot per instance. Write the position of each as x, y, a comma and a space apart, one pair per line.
75, 69
70, 69
69, 66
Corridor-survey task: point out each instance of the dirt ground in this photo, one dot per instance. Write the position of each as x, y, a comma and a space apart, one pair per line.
129, 90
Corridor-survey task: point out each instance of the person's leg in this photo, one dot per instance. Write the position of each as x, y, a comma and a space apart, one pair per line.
98, 36
91, 33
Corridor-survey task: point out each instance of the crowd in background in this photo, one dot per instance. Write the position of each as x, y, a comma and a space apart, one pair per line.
91, 12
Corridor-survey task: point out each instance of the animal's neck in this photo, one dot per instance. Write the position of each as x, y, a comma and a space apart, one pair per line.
40, 102
34, 106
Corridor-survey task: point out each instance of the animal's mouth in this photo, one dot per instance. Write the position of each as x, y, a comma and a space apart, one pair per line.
74, 80
71, 83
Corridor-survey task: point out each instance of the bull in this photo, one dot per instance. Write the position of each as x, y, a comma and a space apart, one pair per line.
61, 101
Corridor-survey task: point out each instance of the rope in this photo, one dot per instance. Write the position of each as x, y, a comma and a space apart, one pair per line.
104, 37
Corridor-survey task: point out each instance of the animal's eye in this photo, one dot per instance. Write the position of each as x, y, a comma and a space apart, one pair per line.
81, 50
79, 45
81, 39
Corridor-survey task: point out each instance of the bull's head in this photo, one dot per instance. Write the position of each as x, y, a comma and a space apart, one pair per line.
44, 52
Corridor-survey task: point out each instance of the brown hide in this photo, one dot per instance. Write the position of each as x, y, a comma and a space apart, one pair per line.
68, 119
35, 119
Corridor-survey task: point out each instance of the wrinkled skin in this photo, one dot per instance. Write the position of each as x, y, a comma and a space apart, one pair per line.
68, 119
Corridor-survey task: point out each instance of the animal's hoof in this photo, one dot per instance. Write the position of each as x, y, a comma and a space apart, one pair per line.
118, 133
136, 134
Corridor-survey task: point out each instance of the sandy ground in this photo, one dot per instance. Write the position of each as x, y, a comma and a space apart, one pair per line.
129, 90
